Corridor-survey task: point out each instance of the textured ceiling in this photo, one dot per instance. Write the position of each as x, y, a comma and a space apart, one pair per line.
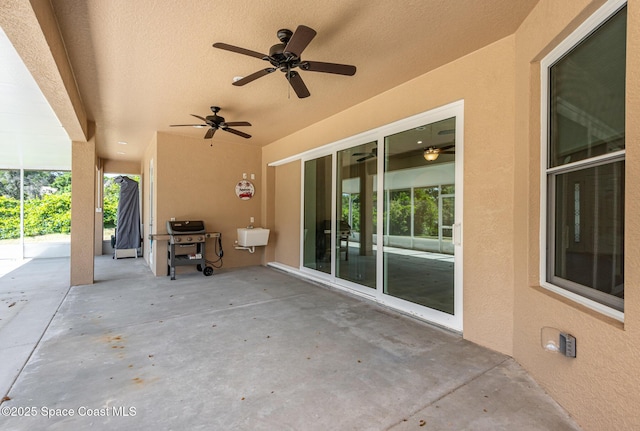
145, 64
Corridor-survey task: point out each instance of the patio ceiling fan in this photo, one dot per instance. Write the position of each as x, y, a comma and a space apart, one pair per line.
366, 156
215, 122
286, 56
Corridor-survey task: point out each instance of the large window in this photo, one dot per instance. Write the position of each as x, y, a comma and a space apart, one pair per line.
35, 213
47, 206
585, 160
10, 209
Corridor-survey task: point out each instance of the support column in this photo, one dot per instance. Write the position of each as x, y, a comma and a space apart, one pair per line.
83, 198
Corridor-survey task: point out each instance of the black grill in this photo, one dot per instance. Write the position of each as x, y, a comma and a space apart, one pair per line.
187, 246
186, 231
175, 227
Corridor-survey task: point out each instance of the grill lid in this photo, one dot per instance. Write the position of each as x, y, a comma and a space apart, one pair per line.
185, 226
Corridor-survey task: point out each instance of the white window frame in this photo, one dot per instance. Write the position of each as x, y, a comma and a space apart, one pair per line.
592, 23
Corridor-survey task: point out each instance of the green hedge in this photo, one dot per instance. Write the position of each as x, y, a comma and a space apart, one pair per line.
48, 215
51, 213
9, 218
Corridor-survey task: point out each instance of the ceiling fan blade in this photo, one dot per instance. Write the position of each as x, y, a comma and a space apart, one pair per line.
237, 123
447, 152
240, 50
210, 133
362, 159
408, 154
254, 76
299, 40
361, 154
298, 85
237, 132
319, 66
199, 117
446, 147
188, 125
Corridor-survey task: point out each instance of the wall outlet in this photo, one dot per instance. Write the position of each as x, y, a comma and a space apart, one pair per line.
251, 219
172, 219
568, 345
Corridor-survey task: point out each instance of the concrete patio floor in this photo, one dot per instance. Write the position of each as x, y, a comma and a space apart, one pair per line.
245, 349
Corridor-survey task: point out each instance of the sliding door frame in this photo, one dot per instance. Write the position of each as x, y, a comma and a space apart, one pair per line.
455, 109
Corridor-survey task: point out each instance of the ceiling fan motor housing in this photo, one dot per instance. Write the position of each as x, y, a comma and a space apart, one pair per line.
276, 52
216, 119
284, 35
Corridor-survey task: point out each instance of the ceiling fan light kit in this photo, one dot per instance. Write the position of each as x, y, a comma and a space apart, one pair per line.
286, 56
431, 154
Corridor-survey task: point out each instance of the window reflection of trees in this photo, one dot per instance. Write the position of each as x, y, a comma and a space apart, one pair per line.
426, 212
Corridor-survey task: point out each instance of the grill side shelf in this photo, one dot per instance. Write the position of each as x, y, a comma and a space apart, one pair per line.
167, 237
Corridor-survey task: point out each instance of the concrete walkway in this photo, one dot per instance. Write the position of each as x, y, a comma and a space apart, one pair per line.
245, 349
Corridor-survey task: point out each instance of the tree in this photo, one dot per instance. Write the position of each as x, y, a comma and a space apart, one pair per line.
62, 182
426, 212
39, 183
10, 184
111, 195
400, 212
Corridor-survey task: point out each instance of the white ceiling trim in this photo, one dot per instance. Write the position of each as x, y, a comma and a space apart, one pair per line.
31, 136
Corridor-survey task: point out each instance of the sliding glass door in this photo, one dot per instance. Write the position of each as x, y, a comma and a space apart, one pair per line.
35, 213
419, 172
356, 214
382, 215
317, 250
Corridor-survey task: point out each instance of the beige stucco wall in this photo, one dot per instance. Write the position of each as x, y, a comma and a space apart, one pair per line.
121, 167
600, 387
485, 80
287, 214
504, 307
194, 180
83, 198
